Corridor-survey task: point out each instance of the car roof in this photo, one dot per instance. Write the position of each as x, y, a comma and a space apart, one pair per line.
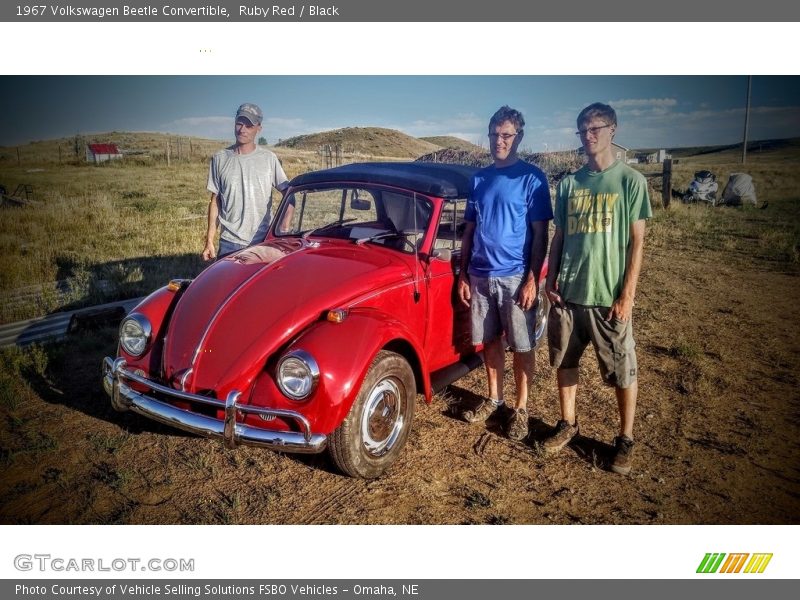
444, 180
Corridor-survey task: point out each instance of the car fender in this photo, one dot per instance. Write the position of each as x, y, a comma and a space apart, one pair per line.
157, 308
344, 352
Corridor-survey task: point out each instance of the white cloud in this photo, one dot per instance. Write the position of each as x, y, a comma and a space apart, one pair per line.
470, 125
283, 123
643, 103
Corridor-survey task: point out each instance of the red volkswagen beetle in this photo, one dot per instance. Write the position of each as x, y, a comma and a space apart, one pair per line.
323, 335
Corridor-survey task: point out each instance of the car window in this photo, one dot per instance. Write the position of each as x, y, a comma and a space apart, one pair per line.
451, 226
360, 206
356, 213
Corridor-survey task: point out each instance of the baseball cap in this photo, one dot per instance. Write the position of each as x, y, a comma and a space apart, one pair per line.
251, 112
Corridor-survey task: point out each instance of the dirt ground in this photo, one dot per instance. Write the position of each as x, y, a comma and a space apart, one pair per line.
717, 430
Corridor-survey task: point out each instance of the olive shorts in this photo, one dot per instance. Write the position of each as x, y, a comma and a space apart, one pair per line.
495, 311
569, 331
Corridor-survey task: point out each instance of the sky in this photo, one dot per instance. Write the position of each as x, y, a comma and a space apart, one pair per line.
653, 111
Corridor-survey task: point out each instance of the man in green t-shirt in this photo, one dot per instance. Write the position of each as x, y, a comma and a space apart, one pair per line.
595, 260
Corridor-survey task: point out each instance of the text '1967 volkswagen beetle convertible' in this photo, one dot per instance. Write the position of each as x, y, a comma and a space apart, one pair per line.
323, 335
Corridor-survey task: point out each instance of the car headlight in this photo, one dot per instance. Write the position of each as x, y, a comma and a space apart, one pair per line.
134, 334
298, 375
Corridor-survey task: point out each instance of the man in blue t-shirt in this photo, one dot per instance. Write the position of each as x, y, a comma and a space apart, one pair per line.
503, 248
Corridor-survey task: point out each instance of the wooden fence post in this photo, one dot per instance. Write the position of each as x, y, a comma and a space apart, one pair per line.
167, 152
666, 179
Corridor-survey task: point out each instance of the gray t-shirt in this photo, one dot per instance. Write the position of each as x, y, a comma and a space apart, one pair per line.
243, 184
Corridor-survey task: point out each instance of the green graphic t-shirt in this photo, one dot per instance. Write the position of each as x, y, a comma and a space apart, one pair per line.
595, 210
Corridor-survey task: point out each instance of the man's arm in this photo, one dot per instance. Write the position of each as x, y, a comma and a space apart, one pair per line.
285, 226
466, 251
530, 287
623, 306
209, 252
553, 267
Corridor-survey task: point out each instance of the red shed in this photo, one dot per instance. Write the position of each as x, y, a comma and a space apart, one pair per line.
98, 153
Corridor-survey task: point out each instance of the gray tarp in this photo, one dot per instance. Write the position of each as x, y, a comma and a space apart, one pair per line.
738, 190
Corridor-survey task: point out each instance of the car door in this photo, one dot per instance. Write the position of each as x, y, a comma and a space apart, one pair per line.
448, 330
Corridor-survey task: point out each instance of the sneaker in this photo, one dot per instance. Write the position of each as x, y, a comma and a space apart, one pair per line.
480, 413
517, 425
623, 455
563, 434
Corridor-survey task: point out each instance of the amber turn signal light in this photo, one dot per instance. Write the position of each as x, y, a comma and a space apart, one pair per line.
337, 316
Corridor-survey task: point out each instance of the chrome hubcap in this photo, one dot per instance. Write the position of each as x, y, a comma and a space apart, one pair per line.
541, 319
382, 419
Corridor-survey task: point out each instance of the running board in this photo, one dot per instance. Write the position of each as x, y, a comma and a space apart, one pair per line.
443, 377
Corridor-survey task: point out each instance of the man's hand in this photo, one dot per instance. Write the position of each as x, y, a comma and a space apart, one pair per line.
621, 309
463, 289
551, 291
527, 294
209, 252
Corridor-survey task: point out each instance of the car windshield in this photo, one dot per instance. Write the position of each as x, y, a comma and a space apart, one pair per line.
363, 214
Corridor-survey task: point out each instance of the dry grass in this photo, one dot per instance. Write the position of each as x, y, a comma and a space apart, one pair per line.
145, 147
737, 234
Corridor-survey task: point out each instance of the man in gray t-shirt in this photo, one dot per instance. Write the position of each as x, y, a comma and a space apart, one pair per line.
240, 180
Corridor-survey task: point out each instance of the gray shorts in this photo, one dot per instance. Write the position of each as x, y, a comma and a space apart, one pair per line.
569, 331
495, 311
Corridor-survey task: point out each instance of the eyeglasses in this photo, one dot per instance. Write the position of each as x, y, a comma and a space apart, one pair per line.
593, 130
503, 136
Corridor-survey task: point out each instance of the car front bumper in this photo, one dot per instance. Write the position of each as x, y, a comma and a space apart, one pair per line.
233, 433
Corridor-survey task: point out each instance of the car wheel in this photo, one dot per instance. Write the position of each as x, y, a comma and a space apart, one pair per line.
542, 310
373, 434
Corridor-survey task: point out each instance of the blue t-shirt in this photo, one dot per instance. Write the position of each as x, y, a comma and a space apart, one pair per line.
502, 205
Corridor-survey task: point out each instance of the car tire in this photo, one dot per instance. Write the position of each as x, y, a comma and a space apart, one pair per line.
372, 436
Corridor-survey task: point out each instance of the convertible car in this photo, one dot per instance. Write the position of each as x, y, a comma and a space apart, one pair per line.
323, 335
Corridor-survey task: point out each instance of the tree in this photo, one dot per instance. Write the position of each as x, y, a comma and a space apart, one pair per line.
262, 141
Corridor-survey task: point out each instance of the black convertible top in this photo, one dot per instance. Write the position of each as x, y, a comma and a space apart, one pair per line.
435, 179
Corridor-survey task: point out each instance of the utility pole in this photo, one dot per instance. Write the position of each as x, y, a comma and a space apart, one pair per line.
747, 118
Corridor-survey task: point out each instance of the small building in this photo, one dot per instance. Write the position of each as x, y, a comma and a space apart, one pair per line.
659, 156
620, 152
98, 153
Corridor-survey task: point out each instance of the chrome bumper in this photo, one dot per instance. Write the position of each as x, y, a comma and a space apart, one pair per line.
124, 398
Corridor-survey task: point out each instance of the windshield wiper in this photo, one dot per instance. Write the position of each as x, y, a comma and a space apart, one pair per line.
385, 235
318, 230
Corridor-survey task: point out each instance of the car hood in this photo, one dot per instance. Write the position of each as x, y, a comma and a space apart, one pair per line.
242, 308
